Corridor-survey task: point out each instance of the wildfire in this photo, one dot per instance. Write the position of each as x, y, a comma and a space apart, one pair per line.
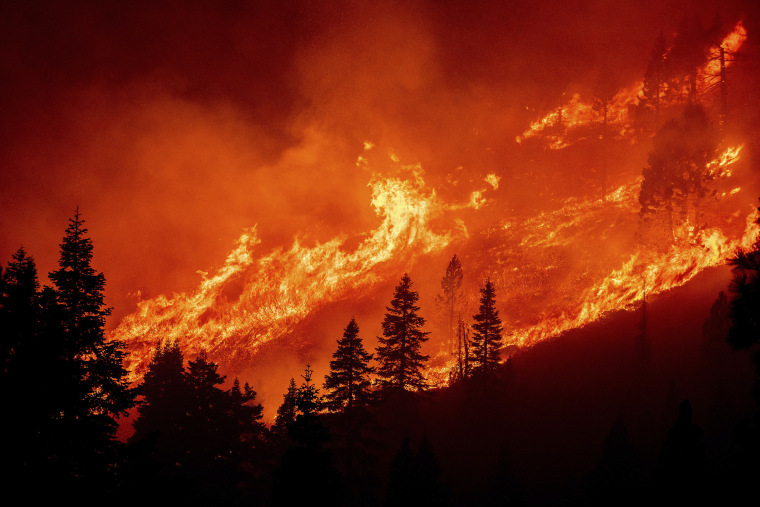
549, 282
278, 289
252, 300
643, 274
555, 127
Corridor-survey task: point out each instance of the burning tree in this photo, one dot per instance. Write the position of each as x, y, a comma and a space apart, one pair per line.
401, 362
461, 369
654, 78
451, 294
676, 179
348, 382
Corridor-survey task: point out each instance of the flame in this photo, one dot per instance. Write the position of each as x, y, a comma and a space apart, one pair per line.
730, 44
282, 287
555, 127
721, 166
626, 286
548, 283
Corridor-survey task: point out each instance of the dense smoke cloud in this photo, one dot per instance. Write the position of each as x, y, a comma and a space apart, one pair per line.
175, 125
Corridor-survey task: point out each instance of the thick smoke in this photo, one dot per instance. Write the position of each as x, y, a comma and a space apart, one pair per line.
175, 125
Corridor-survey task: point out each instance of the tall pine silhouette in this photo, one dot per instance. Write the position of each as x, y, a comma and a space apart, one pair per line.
348, 384
94, 386
486, 338
401, 361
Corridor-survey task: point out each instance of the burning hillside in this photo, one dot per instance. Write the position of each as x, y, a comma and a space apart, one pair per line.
548, 275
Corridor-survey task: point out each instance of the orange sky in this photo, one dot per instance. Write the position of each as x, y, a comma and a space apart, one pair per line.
175, 125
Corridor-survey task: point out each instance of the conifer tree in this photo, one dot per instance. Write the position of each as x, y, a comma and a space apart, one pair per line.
307, 430
486, 337
451, 285
307, 472
348, 383
26, 398
744, 308
399, 355
165, 396
94, 389
206, 411
101, 379
19, 306
246, 414
286, 412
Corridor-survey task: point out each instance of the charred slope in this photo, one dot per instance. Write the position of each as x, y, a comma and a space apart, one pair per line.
544, 424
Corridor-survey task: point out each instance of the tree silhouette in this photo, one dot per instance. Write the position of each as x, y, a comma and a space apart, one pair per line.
246, 416
196, 438
348, 383
399, 355
744, 332
207, 416
27, 400
451, 285
286, 412
94, 383
162, 412
461, 370
486, 338
19, 306
307, 473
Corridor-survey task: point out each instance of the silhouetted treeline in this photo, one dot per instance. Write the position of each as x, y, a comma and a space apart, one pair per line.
572, 421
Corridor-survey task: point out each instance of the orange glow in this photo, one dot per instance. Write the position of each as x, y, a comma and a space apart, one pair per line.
555, 128
252, 300
588, 296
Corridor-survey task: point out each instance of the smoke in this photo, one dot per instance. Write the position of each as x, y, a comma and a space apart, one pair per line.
177, 125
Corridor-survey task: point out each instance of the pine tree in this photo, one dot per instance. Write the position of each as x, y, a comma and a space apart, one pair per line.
307, 430
94, 385
307, 472
744, 332
451, 285
206, 411
246, 415
26, 397
19, 307
286, 412
486, 338
399, 355
348, 383
165, 397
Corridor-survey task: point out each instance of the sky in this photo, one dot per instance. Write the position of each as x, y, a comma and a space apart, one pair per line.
174, 126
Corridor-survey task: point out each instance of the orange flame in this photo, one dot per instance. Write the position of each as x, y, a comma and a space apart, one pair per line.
576, 114
277, 290
586, 297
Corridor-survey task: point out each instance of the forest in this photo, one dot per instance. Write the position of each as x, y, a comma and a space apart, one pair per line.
372, 433
493, 255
